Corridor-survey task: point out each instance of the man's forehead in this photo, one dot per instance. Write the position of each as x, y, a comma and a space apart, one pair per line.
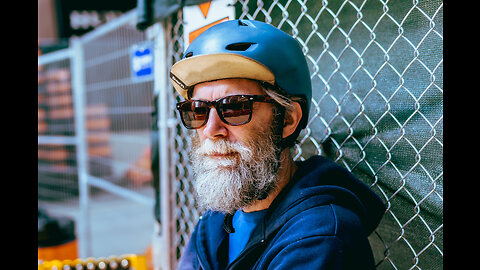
220, 88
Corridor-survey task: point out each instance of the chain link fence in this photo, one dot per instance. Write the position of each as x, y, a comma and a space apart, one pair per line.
377, 109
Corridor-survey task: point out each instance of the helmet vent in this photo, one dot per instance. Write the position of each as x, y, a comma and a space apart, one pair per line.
241, 46
188, 54
240, 23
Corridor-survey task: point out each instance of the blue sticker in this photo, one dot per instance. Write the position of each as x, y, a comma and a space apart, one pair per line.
142, 61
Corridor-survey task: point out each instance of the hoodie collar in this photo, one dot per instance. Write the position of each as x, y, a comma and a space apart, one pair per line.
318, 181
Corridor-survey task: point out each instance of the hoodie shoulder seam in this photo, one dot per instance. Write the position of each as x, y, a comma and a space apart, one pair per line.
331, 215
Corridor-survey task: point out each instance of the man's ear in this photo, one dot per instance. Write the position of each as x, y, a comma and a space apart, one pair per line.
292, 119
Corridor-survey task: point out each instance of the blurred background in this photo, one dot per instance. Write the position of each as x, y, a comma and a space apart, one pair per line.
94, 151
114, 179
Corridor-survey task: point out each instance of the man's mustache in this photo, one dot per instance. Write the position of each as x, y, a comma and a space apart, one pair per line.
222, 147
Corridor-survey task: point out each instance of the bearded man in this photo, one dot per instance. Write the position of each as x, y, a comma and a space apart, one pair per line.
247, 88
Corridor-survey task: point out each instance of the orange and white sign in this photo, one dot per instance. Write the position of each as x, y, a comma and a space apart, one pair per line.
201, 17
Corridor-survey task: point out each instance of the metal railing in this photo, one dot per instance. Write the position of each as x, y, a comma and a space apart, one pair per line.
94, 131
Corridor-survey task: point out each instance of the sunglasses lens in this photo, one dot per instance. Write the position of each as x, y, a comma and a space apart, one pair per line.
233, 110
194, 113
236, 110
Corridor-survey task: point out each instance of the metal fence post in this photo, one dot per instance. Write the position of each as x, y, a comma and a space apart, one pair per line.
160, 89
78, 90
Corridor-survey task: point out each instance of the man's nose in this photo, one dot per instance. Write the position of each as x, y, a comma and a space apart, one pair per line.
215, 127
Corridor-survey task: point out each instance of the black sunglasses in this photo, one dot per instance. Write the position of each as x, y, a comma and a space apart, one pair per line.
233, 110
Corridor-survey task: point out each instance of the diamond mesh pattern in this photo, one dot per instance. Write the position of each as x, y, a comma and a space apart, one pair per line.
377, 109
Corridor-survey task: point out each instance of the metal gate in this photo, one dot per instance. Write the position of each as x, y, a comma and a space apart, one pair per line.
94, 140
377, 109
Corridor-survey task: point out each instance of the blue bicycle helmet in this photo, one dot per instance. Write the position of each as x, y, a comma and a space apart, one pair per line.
245, 49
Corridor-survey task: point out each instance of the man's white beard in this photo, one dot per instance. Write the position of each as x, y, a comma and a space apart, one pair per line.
247, 175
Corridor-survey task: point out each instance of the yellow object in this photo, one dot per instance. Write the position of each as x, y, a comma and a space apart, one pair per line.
135, 262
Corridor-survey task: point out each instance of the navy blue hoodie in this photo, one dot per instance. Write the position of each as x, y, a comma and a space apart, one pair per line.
320, 220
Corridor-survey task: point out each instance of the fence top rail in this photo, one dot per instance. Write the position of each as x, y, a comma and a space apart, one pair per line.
55, 56
67, 53
129, 16
64, 140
